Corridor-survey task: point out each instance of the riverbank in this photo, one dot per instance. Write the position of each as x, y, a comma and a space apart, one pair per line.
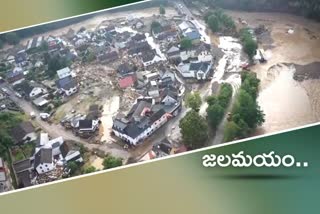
286, 102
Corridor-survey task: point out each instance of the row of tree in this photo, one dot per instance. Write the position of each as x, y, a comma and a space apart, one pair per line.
218, 21
193, 127
217, 105
246, 114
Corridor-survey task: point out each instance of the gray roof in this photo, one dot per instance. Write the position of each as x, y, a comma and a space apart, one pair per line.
138, 37
66, 83
199, 66
125, 69
139, 48
193, 35
148, 56
22, 165
141, 105
173, 49
85, 124
138, 123
24, 178
156, 116
44, 155
64, 149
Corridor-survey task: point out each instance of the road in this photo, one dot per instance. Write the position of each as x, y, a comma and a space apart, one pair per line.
229, 63
56, 130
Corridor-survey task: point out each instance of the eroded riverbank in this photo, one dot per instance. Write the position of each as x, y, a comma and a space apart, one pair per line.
286, 102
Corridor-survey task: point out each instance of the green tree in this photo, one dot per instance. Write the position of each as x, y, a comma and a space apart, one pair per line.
12, 38
228, 22
215, 114
73, 166
5, 142
246, 113
211, 100
186, 43
8, 120
162, 10
214, 23
56, 63
194, 130
193, 100
231, 131
217, 20
90, 169
111, 162
90, 57
250, 83
249, 44
155, 25
225, 95
44, 46
207, 15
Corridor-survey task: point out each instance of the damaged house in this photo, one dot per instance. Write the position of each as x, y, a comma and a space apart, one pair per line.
190, 31
126, 75
51, 154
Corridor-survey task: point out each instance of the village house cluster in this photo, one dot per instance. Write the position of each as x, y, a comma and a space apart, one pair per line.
47, 159
146, 57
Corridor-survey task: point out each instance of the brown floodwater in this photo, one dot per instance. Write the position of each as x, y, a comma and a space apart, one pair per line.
286, 102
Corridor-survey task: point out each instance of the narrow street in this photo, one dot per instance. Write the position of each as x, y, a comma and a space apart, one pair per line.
229, 63
55, 130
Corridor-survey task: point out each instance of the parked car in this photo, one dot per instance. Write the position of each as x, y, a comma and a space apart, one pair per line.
5, 91
44, 116
33, 115
18, 95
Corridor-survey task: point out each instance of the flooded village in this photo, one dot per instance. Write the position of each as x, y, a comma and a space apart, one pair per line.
117, 88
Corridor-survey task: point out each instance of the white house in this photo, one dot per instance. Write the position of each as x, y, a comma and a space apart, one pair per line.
36, 91
52, 153
198, 70
43, 161
204, 53
187, 54
65, 72
142, 122
153, 90
200, 53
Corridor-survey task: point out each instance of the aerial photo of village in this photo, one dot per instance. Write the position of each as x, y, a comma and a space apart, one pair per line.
149, 80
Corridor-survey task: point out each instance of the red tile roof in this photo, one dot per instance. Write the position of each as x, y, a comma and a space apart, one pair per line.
126, 82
